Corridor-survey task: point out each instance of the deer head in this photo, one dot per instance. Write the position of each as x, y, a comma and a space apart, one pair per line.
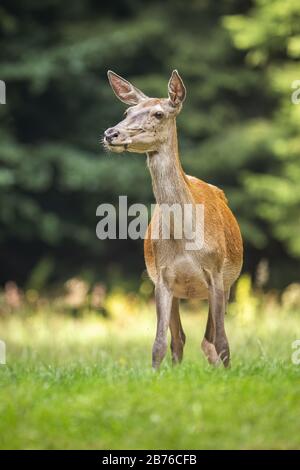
147, 121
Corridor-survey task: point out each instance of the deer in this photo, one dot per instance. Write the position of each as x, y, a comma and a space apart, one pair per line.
205, 273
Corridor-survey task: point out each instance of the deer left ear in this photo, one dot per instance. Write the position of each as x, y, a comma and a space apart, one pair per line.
176, 89
124, 90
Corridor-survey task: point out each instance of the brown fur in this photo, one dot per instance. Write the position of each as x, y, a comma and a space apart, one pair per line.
221, 230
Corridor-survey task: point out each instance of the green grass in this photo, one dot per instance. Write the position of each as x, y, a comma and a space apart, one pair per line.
87, 384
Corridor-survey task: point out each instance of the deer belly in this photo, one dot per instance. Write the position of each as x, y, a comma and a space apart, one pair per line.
185, 280
189, 288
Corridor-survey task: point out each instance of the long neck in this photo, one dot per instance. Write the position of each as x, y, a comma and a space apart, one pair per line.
168, 178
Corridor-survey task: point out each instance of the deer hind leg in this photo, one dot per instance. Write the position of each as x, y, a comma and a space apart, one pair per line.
215, 344
177, 333
163, 299
207, 345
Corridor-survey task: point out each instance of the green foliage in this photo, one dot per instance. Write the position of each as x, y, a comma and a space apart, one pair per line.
238, 128
269, 34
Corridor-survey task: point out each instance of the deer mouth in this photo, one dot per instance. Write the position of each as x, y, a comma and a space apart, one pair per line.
115, 146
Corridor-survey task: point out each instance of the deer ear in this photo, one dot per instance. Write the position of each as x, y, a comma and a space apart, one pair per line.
126, 92
176, 89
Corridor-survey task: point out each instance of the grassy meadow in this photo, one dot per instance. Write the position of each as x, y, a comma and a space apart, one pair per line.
84, 381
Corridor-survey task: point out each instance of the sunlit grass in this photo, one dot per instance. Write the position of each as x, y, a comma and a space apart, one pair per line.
86, 382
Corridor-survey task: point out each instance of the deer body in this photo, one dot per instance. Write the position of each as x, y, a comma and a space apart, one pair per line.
184, 271
204, 273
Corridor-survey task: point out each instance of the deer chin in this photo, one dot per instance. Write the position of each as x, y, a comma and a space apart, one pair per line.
117, 147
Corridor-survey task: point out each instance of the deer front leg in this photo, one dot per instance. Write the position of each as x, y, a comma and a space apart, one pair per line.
177, 333
163, 298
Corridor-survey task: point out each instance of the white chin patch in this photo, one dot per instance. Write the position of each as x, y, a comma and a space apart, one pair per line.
117, 148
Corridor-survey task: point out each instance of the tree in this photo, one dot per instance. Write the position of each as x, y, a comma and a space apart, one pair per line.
232, 130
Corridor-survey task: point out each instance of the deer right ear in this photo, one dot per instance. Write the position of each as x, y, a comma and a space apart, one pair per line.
124, 90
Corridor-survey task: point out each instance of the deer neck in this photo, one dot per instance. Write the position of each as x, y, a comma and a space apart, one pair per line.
168, 178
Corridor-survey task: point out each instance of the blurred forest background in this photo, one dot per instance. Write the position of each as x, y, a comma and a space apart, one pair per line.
238, 129
77, 314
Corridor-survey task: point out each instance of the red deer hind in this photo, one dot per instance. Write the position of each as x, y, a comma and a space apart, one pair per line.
149, 126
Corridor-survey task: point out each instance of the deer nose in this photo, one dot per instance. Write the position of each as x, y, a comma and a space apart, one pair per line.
111, 134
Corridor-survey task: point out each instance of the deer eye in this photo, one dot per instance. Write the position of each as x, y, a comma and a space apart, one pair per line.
159, 115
